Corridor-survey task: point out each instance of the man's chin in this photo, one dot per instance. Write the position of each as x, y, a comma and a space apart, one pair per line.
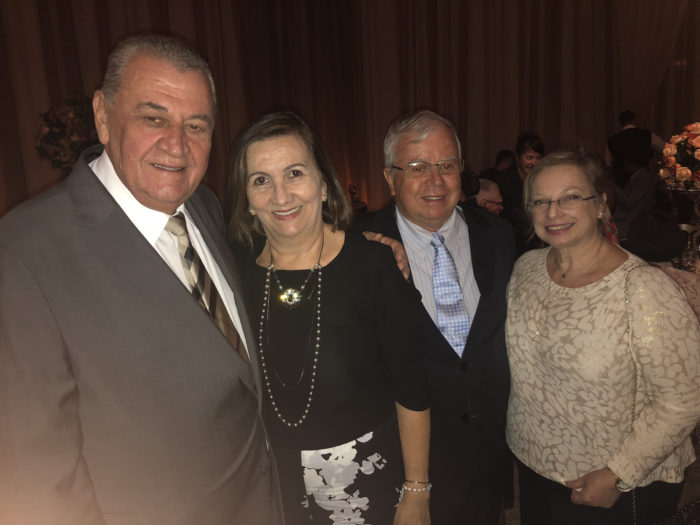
438, 208
433, 222
163, 204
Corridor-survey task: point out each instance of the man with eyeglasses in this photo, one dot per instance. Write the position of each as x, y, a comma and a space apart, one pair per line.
460, 261
489, 196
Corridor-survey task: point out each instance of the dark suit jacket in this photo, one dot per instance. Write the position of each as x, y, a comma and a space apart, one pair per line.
632, 145
120, 400
468, 396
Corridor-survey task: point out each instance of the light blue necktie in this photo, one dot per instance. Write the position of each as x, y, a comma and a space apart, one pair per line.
452, 315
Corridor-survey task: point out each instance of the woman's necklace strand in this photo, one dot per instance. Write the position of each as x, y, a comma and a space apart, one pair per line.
291, 297
264, 314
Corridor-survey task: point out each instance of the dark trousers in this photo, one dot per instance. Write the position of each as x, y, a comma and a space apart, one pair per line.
544, 502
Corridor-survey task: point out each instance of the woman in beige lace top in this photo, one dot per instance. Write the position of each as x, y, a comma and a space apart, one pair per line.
596, 409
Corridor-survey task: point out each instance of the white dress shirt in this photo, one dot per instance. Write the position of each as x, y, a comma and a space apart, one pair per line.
151, 223
421, 256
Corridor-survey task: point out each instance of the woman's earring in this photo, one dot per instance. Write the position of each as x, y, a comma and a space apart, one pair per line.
251, 211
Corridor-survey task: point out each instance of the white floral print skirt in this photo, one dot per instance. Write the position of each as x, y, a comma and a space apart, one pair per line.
353, 483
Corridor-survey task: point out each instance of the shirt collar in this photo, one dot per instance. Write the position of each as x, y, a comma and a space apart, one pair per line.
420, 234
148, 221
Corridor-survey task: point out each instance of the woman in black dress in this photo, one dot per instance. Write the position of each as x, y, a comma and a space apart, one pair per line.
346, 406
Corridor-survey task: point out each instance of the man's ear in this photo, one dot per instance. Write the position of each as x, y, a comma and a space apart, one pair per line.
389, 177
99, 108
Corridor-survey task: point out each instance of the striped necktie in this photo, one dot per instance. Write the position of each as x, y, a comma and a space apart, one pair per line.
201, 285
452, 314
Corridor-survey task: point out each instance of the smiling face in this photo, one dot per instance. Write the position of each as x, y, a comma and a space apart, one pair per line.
566, 228
430, 200
157, 131
526, 162
284, 188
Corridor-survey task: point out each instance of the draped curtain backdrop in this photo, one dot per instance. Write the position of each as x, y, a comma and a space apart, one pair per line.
563, 68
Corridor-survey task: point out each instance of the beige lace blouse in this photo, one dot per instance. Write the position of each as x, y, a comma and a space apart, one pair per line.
573, 374
689, 283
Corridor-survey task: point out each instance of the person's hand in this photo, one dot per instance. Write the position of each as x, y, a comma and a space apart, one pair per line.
596, 489
413, 509
396, 247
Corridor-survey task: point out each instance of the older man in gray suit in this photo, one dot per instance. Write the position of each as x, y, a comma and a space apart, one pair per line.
126, 395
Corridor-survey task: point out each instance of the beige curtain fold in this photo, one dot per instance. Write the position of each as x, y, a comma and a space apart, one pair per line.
645, 35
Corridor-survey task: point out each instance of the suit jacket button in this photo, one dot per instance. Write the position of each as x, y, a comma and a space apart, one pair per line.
465, 417
264, 470
465, 366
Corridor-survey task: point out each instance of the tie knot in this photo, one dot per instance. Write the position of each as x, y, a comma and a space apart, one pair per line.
177, 226
438, 240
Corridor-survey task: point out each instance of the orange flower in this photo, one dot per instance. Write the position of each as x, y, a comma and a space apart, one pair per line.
694, 128
664, 173
675, 139
670, 150
683, 173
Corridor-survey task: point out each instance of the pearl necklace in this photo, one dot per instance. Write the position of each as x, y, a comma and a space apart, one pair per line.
264, 315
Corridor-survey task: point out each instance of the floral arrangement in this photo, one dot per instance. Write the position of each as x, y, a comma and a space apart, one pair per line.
65, 131
681, 163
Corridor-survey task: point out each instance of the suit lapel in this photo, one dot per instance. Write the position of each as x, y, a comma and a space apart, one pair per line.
223, 256
438, 347
120, 245
482, 254
110, 233
481, 249
112, 236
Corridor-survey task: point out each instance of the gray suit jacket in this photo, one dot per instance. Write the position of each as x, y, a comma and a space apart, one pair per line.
120, 400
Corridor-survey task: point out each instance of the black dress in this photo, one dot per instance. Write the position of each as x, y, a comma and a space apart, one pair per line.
368, 358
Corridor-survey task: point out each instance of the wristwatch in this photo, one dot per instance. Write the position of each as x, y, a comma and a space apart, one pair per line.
619, 484
622, 486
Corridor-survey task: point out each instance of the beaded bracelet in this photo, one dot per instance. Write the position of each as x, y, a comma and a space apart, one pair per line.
404, 488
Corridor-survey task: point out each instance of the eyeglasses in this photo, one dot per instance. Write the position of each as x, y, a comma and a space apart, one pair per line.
496, 203
570, 202
421, 168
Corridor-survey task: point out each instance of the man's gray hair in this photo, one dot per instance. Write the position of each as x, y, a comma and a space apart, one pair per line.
417, 125
170, 49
